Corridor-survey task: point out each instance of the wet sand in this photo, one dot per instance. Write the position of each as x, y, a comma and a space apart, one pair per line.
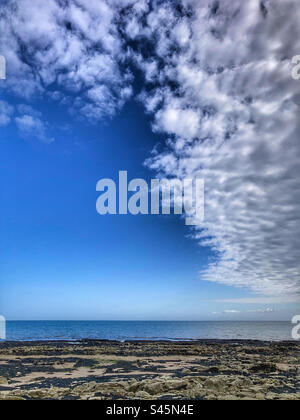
105, 370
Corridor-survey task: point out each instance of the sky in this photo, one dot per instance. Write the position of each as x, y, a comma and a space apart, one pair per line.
161, 89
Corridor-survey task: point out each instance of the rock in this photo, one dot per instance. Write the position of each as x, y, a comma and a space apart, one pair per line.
167, 397
241, 383
230, 397
213, 370
11, 398
263, 368
3, 381
142, 395
258, 371
37, 395
176, 384
84, 388
134, 386
154, 388
211, 397
216, 384
186, 371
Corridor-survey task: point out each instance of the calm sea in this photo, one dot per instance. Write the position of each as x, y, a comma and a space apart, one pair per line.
146, 330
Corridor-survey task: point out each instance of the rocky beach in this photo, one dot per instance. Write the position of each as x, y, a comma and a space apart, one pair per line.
106, 370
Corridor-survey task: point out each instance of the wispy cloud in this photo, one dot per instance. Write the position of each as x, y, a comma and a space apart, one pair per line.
6, 112
252, 311
262, 311
282, 299
31, 124
231, 311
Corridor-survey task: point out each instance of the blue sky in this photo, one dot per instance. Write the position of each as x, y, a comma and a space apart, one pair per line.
60, 259
63, 127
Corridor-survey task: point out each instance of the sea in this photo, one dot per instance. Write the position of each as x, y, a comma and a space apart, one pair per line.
147, 330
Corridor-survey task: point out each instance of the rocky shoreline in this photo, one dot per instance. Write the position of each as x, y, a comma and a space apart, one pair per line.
106, 370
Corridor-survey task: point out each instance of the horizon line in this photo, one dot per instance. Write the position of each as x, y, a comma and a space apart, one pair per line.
141, 320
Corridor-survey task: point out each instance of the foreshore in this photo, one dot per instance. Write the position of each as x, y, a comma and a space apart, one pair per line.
150, 370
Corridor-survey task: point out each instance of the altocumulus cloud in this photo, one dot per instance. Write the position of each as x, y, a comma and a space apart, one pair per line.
73, 45
225, 97
217, 83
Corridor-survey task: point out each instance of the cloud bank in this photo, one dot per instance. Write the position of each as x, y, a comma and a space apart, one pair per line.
225, 97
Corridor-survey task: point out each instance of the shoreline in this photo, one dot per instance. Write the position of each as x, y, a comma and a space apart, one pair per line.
150, 370
95, 341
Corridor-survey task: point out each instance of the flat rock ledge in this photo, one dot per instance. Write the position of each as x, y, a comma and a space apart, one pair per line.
104, 370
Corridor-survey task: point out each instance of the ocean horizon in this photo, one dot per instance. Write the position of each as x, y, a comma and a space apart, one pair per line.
148, 330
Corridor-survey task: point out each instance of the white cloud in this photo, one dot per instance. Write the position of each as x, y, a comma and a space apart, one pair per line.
182, 122
231, 311
262, 311
31, 124
231, 108
282, 299
252, 311
6, 111
75, 45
